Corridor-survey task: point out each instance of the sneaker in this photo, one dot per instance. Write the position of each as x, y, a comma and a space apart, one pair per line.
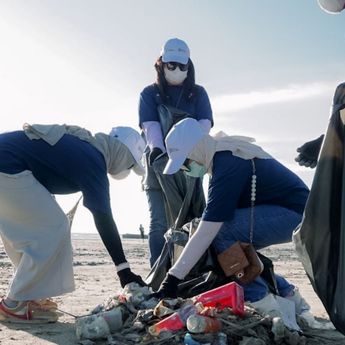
27, 312
309, 319
46, 303
267, 306
301, 306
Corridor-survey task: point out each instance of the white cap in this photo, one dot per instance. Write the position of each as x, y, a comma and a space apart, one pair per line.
180, 141
175, 50
332, 6
134, 142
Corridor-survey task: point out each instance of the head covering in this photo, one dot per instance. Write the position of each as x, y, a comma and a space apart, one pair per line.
180, 141
188, 140
175, 50
121, 150
134, 142
332, 6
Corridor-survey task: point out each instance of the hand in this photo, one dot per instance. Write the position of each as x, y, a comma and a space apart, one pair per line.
126, 276
155, 152
309, 152
168, 288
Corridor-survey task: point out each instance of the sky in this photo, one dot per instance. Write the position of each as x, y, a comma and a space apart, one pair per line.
270, 68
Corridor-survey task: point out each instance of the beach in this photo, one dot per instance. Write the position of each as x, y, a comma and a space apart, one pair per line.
96, 281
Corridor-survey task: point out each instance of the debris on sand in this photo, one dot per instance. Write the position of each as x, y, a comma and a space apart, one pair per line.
127, 318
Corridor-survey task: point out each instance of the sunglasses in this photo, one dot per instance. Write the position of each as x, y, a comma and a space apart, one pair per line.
171, 66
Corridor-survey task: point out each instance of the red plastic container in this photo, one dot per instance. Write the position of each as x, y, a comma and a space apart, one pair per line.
175, 321
228, 295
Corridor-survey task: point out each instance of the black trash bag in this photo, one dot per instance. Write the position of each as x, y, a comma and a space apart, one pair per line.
320, 238
168, 116
205, 275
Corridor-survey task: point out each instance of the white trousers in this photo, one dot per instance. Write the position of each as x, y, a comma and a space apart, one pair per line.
36, 235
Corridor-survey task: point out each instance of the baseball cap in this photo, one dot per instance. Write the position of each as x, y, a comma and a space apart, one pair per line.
180, 141
175, 50
332, 6
134, 142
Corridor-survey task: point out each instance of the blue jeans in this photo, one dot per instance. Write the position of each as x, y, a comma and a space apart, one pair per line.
272, 225
158, 223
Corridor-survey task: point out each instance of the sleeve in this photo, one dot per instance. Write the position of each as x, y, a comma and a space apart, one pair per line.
203, 106
230, 178
153, 134
95, 189
107, 229
148, 105
195, 248
206, 125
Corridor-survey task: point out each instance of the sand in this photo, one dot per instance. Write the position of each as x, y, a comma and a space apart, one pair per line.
96, 281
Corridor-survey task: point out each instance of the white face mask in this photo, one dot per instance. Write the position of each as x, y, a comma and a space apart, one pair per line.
175, 77
121, 175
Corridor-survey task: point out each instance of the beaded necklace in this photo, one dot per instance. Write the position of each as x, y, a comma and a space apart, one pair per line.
252, 202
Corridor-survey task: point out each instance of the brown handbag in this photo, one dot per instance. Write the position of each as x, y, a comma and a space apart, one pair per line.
233, 260
255, 267
241, 259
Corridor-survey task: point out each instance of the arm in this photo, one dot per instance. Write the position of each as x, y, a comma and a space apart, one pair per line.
192, 252
206, 125
153, 135
110, 237
309, 152
154, 139
204, 110
195, 248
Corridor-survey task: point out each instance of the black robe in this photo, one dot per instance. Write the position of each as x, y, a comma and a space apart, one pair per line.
320, 239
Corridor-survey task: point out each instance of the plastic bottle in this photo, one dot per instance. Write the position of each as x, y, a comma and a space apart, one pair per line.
99, 325
228, 295
175, 321
203, 324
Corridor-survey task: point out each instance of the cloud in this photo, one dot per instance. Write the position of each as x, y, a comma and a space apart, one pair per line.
293, 92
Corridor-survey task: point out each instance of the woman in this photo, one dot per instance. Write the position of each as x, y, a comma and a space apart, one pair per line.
41, 161
251, 198
175, 88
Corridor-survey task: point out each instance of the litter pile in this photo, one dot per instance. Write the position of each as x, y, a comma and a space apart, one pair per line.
217, 317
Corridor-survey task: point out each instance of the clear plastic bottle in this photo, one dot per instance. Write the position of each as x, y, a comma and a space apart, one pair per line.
203, 324
99, 325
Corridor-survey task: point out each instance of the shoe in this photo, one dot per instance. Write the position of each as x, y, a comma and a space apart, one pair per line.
301, 306
46, 303
267, 306
303, 312
309, 319
27, 312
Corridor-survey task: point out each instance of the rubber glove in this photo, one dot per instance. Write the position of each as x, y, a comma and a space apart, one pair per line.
155, 152
168, 288
309, 152
126, 276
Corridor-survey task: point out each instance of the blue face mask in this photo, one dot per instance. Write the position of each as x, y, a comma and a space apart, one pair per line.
195, 170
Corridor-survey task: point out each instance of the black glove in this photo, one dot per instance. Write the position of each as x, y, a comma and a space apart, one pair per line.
154, 153
168, 288
126, 276
309, 152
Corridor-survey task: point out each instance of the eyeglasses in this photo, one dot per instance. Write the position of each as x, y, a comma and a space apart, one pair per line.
171, 66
